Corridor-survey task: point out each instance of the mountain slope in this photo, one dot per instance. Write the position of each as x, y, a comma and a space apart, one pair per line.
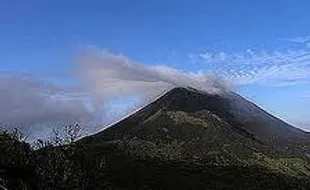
230, 113
204, 130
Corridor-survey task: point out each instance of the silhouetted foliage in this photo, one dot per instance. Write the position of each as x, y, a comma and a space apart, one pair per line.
55, 165
46, 165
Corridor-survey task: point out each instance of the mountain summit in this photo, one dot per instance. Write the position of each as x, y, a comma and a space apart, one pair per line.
194, 127
188, 114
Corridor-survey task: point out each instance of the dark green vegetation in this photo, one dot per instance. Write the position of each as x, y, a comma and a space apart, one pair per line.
187, 139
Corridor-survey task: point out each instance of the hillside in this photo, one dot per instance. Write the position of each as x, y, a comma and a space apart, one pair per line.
227, 131
189, 115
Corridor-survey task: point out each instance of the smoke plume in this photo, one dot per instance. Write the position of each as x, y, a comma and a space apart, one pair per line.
35, 106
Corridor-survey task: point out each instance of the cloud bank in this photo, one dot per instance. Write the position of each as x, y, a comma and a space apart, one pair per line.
27, 102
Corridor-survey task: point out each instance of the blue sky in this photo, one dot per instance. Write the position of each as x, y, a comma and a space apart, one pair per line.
262, 46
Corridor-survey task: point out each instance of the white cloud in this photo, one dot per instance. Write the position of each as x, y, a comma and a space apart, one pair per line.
301, 39
108, 75
277, 68
250, 52
27, 101
222, 56
206, 56
213, 57
33, 104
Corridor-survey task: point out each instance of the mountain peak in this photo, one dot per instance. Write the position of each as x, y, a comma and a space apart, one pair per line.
185, 113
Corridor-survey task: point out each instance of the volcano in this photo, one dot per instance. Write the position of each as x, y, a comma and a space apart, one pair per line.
203, 141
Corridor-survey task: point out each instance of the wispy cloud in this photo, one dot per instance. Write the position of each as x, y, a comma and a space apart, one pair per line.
301, 39
275, 68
